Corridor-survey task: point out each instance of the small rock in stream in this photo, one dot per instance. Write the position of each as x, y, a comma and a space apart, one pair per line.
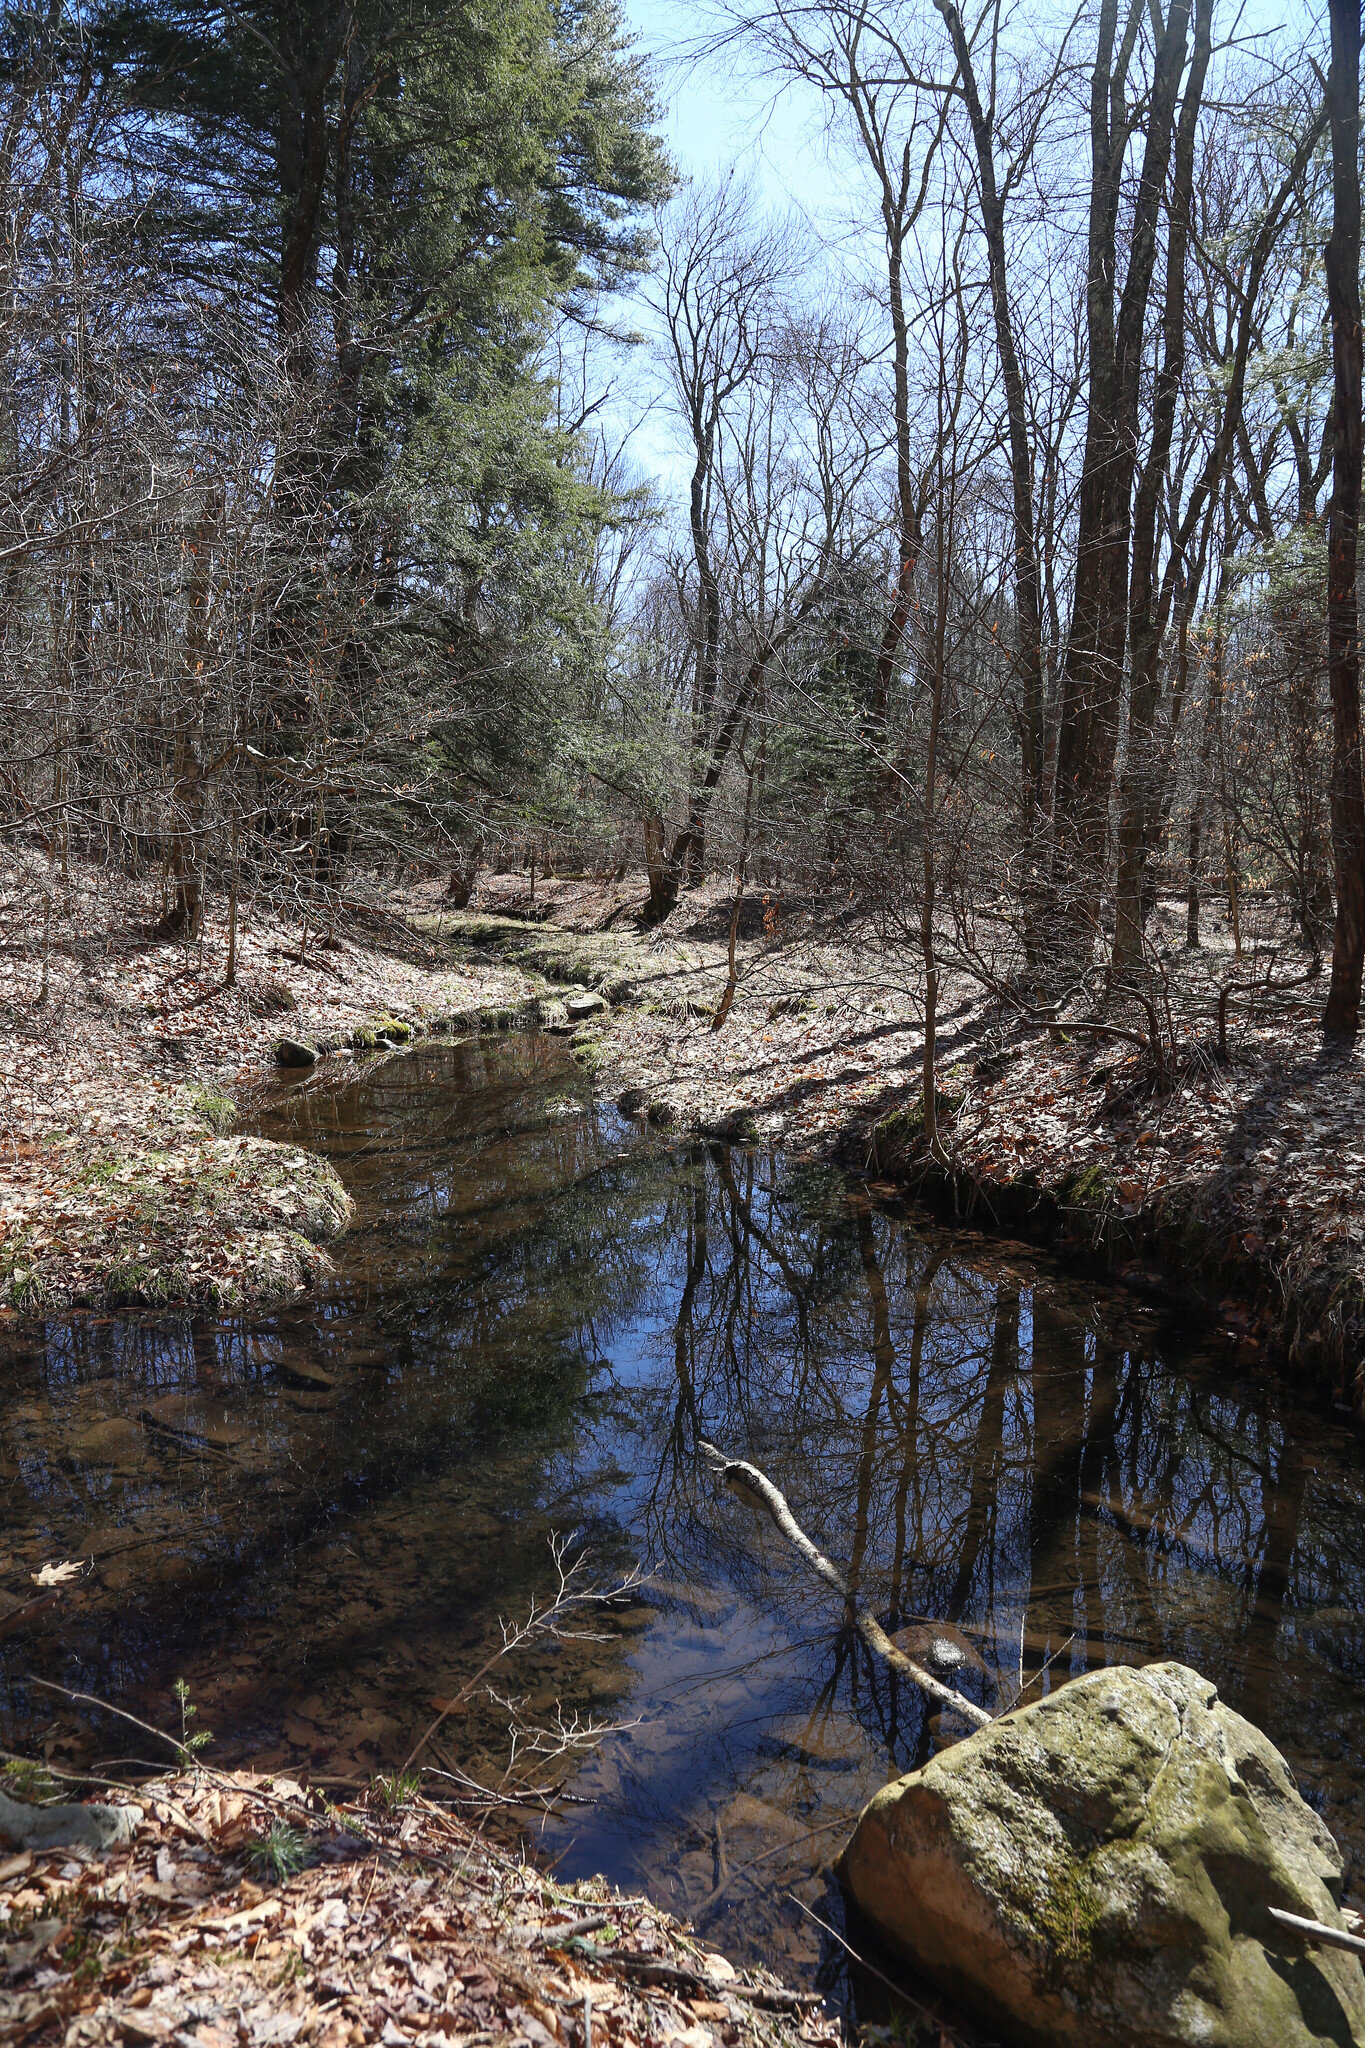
294, 1052
301, 1372
118, 1442
588, 1004
190, 1415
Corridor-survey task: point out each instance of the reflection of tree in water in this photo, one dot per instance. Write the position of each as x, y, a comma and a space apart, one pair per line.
487, 1266
539, 1312
974, 1443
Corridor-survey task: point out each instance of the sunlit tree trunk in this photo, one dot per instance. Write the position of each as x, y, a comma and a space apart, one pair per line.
1342, 1016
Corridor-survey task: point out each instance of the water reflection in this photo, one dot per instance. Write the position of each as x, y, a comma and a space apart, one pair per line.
317, 1517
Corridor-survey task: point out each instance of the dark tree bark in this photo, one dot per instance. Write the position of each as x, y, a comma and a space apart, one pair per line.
1146, 614
1342, 1016
1093, 676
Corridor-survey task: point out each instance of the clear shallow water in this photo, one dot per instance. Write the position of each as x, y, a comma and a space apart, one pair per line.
538, 1310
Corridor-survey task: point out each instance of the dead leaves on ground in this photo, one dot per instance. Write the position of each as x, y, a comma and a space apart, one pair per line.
404, 1929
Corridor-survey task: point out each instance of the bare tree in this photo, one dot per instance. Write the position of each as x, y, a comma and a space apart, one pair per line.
1341, 1018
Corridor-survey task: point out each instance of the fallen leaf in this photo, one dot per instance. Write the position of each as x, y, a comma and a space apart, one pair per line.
56, 1574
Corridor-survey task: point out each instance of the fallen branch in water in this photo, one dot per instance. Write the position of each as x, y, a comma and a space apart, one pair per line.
747, 1479
571, 1595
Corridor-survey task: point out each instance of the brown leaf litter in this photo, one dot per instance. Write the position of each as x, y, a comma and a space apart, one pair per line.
405, 1927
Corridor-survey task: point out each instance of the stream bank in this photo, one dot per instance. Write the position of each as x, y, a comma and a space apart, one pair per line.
1240, 1190
246, 1912
124, 1180
1237, 1189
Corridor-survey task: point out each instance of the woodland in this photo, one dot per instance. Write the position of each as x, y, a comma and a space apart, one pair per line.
1004, 580
879, 680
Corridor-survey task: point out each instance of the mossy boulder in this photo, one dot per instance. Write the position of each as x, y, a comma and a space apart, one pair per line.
395, 1030
1097, 1869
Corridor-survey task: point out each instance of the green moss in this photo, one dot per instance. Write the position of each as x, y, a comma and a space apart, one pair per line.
902, 1130
218, 1111
364, 1038
394, 1028
32, 1782
1066, 1911
99, 1172
590, 1052
1091, 1192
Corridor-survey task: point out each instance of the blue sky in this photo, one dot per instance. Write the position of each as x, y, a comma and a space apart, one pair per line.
717, 117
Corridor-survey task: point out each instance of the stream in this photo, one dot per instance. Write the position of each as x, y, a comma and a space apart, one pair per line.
329, 1508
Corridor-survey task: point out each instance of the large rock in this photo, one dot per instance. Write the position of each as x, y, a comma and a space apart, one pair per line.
100, 1828
1097, 1868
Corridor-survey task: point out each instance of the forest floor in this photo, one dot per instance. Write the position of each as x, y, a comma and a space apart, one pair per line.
248, 1912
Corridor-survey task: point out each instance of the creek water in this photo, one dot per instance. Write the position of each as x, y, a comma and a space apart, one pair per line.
319, 1516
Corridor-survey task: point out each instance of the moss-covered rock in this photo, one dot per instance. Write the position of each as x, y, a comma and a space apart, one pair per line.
395, 1030
1097, 1869
217, 1111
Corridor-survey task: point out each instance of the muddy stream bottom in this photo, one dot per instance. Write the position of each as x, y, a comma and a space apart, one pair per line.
317, 1518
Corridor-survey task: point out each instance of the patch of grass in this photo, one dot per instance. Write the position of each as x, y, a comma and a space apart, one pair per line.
134, 1283
390, 1791
98, 1172
30, 1781
26, 1288
278, 1856
590, 1052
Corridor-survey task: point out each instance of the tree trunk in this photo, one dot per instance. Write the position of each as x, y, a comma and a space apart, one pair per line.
1092, 679
1147, 612
659, 906
1342, 1016
1028, 601
464, 874
1197, 809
